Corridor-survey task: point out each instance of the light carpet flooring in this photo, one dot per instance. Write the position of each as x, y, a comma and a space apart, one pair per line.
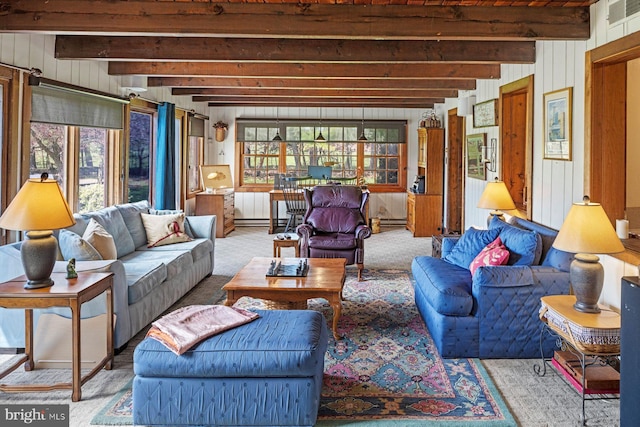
534, 401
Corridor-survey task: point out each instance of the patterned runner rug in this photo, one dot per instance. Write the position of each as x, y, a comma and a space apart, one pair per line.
385, 370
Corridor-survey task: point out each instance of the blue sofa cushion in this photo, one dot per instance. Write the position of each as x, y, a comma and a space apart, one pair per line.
469, 246
131, 214
143, 277
446, 286
280, 343
177, 262
558, 259
525, 247
112, 221
199, 248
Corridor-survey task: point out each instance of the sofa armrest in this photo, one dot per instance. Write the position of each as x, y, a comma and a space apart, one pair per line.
203, 226
304, 231
362, 232
447, 245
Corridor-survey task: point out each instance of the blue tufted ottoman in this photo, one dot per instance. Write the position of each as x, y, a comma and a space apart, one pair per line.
265, 373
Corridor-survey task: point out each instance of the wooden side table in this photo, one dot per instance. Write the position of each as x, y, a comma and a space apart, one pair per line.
70, 293
593, 337
291, 242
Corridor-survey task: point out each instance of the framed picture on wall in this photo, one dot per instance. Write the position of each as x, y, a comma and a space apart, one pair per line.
557, 124
215, 177
485, 114
475, 163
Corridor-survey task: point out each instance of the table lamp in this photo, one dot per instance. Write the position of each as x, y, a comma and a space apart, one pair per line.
497, 198
587, 231
38, 208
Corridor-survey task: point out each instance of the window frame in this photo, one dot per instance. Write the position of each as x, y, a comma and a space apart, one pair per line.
281, 125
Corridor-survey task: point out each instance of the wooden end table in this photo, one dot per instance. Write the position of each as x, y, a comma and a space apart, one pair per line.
70, 293
574, 330
325, 279
291, 242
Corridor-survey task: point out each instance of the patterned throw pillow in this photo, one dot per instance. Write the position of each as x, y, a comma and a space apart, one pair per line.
495, 253
164, 229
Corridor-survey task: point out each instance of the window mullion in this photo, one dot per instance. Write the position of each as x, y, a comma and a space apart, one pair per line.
72, 170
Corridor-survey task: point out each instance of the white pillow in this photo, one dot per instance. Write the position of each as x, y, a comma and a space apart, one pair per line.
164, 229
101, 240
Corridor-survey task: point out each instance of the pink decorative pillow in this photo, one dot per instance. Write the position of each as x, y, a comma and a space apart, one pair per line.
495, 253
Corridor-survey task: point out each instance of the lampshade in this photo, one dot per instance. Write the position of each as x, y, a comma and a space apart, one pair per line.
587, 229
496, 196
39, 205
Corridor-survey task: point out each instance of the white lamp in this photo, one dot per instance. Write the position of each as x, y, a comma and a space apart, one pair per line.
38, 208
587, 231
496, 197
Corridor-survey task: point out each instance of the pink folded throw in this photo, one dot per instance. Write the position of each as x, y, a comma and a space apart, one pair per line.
187, 326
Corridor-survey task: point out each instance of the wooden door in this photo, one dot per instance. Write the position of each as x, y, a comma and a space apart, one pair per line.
455, 173
516, 146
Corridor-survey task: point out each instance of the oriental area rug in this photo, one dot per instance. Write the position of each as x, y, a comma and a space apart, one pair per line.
385, 371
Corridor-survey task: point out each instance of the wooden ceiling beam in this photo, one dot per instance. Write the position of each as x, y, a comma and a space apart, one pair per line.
295, 20
291, 50
324, 70
385, 103
329, 93
201, 83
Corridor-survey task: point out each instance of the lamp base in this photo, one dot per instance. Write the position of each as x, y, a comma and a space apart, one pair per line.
587, 278
498, 214
38, 252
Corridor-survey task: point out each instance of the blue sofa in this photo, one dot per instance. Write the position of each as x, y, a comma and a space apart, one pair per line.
147, 281
494, 313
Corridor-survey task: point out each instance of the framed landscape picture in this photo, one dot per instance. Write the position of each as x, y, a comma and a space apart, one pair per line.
475, 165
485, 114
557, 124
215, 176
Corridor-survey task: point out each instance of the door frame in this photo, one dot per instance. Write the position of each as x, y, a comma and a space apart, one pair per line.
524, 85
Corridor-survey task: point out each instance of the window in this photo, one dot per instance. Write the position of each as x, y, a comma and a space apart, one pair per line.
76, 157
195, 154
140, 149
75, 137
380, 160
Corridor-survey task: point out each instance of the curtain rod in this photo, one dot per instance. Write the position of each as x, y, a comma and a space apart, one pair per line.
190, 111
35, 80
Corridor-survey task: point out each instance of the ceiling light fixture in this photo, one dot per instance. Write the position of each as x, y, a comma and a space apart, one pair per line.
362, 137
320, 138
277, 138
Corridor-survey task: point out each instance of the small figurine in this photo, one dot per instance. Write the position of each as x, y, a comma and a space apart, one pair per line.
71, 269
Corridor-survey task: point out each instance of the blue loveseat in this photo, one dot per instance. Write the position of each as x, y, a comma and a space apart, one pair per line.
494, 313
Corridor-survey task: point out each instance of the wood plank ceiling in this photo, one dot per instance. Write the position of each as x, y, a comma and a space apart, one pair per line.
358, 53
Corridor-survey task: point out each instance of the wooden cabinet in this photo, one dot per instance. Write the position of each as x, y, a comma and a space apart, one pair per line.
431, 159
424, 214
425, 211
221, 203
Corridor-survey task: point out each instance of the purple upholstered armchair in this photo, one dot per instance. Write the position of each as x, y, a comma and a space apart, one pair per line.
334, 225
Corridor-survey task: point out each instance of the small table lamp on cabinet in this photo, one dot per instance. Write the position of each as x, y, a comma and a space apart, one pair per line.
587, 231
497, 198
38, 208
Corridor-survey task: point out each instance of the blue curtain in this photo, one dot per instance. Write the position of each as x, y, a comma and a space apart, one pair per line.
165, 182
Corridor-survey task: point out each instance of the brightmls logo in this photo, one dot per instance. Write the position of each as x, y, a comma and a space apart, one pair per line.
34, 415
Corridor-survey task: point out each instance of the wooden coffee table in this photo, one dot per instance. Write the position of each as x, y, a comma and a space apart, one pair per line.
325, 279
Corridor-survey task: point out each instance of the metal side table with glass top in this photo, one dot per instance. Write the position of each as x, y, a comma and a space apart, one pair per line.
593, 339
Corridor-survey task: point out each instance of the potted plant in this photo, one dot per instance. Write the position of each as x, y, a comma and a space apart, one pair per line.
221, 130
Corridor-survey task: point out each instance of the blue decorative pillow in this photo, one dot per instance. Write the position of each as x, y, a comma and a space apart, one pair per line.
525, 247
469, 246
74, 246
558, 259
